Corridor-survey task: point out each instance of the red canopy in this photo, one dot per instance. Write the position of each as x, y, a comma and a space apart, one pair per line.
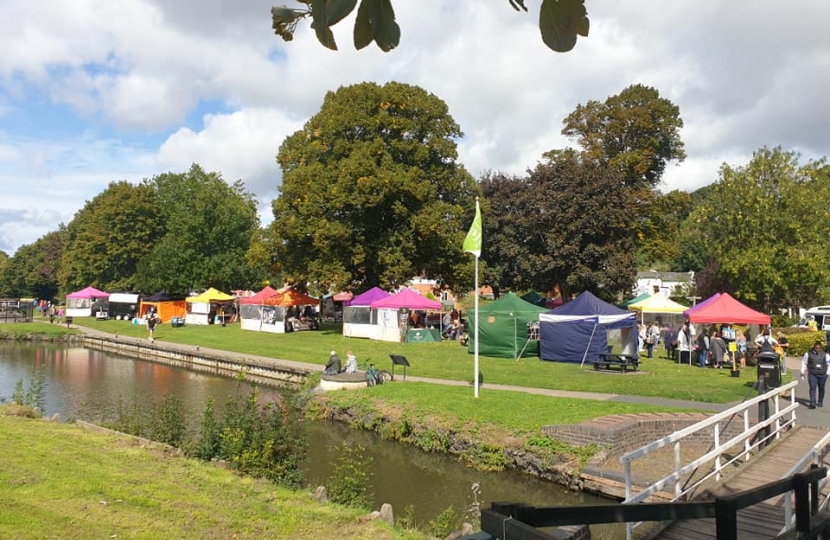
725, 309
259, 297
290, 297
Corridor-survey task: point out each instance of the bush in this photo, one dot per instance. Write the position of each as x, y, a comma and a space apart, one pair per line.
802, 342
445, 523
350, 482
167, 423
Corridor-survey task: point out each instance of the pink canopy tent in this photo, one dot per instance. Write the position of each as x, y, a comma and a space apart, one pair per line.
90, 293
409, 299
725, 309
701, 305
259, 298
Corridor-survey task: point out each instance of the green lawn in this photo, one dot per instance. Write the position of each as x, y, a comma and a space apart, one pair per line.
60, 481
448, 360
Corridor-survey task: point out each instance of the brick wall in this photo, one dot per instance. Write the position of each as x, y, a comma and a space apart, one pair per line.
619, 434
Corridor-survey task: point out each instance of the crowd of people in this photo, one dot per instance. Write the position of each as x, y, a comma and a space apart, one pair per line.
714, 345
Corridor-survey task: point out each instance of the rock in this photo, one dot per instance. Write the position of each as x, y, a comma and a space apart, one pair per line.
466, 530
321, 495
55, 417
386, 513
371, 516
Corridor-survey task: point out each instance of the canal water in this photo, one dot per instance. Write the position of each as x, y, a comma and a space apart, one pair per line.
87, 385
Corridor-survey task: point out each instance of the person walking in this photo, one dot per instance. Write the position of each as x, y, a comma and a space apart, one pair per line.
151, 325
703, 347
670, 342
652, 337
814, 366
684, 344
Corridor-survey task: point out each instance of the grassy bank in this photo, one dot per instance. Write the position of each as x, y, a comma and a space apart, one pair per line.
58, 480
448, 360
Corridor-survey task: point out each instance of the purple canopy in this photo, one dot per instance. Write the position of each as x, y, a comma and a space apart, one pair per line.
409, 299
701, 305
365, 299
89, 292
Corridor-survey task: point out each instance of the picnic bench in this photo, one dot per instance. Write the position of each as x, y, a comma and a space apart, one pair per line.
624, 361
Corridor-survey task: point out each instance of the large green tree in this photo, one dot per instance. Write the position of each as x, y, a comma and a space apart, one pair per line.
208, 227
109, 236
635, 131
372, 193
33, 270
560, 21
568, 225
763, 227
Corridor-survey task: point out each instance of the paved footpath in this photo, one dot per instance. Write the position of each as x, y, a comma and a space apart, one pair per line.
818, 418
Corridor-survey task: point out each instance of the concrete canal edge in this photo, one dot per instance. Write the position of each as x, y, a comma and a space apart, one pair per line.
254, 368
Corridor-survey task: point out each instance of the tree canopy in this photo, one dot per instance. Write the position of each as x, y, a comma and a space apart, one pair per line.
560, 22
567, 225
208, 227
763, 228
108, 237
372, 194
635, 131
33, 270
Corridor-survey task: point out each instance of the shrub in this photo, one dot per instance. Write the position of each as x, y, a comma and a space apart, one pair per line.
445, 523
207, 446
167, 423
803, 342
350, 481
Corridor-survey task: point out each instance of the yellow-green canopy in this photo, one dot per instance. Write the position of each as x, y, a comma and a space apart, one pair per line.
210, 295
657, 303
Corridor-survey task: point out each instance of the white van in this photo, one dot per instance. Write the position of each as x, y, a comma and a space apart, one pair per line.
821, 314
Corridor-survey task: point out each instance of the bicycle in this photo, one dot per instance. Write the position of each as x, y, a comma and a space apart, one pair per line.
374, 375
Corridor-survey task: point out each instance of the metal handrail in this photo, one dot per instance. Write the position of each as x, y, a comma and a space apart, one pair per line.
713, 422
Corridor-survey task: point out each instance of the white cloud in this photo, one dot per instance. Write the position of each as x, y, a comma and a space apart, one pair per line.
130, 76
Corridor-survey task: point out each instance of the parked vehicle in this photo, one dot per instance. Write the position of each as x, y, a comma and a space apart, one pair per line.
123, 306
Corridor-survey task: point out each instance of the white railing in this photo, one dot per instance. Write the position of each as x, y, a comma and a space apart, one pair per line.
776, 422
813, 457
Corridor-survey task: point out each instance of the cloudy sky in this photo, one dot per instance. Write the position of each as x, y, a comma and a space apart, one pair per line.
94, 91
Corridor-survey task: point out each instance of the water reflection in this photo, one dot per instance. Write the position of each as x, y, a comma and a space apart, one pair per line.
86, 384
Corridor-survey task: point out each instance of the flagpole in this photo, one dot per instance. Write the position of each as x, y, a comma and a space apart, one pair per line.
475, 334
472, 244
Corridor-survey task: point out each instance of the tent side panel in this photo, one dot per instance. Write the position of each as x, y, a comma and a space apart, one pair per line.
570, 341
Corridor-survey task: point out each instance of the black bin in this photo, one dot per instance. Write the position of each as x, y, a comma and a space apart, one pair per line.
769, 369
68, 320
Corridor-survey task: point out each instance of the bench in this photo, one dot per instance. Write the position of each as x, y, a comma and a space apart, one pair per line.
624, 361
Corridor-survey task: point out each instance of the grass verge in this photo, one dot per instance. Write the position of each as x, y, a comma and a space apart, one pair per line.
60, 478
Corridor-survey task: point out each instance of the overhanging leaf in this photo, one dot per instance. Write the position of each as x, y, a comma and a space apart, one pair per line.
385, 30
336, 10
560, 21
363, 26
320, 24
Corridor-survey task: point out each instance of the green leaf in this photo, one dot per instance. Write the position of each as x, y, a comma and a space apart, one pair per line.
320, 24
560, 21
336, 10
363, 26
386, 31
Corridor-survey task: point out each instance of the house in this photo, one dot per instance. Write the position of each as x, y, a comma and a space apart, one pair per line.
667, 283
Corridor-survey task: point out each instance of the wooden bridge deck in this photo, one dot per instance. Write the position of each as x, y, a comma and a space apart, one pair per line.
762, 520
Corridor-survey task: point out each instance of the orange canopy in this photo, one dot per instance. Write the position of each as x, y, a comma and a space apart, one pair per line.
290, 297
